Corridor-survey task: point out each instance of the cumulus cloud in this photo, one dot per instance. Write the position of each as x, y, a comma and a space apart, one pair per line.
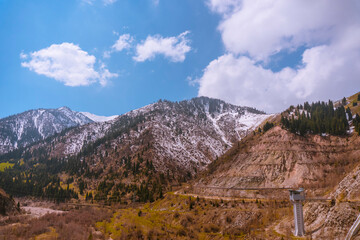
239, 80
173, 48
68, 64
263, 28
253, 31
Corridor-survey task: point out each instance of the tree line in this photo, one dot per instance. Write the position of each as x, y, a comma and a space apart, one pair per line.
317, 118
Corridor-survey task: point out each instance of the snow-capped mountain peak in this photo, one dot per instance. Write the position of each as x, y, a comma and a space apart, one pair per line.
185, 135
28, 127
64, 108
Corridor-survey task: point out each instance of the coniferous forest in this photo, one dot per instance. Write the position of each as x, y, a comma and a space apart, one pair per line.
317, 118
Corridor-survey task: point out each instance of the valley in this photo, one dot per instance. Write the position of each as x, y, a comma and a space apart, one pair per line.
179, 120
196, 169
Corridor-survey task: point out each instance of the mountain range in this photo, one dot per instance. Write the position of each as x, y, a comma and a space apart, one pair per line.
185, 135
164, 142
25, 128
213, 146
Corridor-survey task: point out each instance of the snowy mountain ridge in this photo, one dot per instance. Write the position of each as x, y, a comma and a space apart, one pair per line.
97, 118
28, 127
182, 136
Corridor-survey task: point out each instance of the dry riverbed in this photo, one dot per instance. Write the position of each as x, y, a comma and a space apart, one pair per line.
37, 209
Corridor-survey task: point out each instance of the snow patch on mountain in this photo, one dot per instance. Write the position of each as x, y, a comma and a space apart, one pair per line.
217, 128
97, 118
250, 121
84, 135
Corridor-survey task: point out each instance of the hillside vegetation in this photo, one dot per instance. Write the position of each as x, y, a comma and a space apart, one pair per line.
242, 192
316, 118
135, 158
353, 102
186, 217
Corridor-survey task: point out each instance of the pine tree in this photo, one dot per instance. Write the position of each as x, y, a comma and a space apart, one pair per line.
268, 126
343, 101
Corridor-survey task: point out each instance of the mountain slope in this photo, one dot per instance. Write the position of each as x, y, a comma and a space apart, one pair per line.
263, 165
187, 135
326, 167
31, 126
279, 158
135, 155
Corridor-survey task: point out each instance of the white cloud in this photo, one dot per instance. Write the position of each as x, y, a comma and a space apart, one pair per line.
107, 54
105, 2
90, 2
240, 81
105, 75
330, 66
23, 55
173, 48
108, 2
124, 42
224, 6
68, 64
262, 28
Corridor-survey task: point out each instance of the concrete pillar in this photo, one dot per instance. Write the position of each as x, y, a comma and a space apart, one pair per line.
296, 197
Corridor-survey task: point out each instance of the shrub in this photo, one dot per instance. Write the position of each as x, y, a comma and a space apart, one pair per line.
211, 228
228, 219
268, 126
181, 232
75, 224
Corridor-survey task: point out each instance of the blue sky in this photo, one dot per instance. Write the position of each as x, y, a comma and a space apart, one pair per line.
29, 26
108, 57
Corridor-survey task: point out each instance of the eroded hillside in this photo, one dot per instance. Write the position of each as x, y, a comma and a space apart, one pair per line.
279, 158
326, 166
